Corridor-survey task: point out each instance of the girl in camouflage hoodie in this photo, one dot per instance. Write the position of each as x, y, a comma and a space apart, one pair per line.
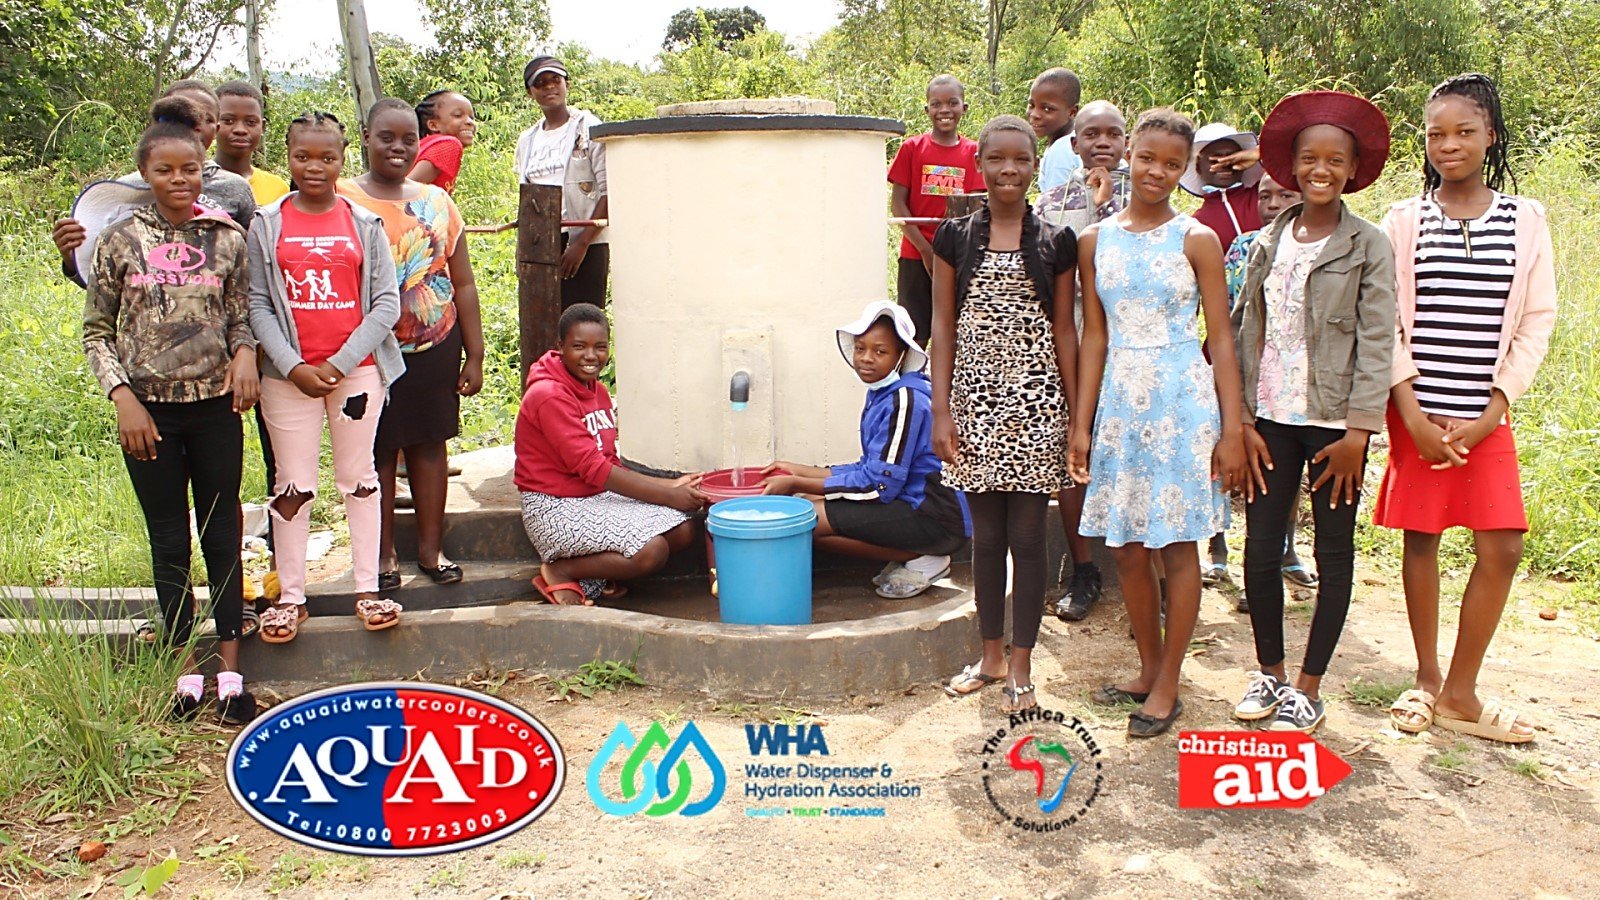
166, 329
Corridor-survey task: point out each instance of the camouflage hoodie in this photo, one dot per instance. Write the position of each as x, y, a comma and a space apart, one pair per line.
167, 306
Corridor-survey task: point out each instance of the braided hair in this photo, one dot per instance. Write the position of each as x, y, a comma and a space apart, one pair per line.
317, 119
1164, 118
427, 107
1481, 90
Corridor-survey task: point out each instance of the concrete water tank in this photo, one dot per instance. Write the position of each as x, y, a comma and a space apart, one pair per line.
742, 233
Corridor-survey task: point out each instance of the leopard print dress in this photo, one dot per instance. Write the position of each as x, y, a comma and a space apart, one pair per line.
1006, 395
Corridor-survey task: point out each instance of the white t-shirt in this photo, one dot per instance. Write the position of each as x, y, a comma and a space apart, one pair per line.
547, 154
1285, 358
565, 157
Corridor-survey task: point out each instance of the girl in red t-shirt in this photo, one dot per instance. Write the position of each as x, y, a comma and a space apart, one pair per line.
447, 126
323, 303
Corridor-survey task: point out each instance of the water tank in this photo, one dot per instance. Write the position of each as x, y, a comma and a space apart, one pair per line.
742, 233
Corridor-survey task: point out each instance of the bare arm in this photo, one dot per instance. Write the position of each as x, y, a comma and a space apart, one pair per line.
900, 204
470, 316
1091, 359
943, 359
1205, 255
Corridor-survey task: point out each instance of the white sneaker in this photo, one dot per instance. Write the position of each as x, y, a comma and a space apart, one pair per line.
1262, 698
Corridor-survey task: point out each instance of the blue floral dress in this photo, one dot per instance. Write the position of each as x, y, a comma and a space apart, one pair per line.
1157, 421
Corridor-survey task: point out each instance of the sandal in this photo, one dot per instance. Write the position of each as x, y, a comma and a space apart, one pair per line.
252, 620
1213, 574
1299, 576
280, 624
614, 590
448, 573
551, 590
1415, 702
376, 615
1111, 695
1144, 725
905, 583
1496, 723
970, 674
145, 631
388, 581
1020, 698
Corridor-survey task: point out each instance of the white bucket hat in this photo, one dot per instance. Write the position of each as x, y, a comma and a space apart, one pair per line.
101, 205
915, 359
1208, 134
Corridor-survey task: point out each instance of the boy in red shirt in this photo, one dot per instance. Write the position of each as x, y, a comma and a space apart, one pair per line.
930, 167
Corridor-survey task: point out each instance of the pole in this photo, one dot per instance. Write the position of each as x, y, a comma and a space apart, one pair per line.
538, 278
358, 60
252, 44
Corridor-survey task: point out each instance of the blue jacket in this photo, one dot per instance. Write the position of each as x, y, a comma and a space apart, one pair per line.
897, 458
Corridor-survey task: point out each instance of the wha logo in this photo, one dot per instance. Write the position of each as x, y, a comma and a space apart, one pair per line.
1051, 770
395, 769
656, 787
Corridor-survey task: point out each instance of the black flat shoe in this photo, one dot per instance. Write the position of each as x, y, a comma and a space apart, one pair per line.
240, 709
449, 573
389, 581
1144, 726
1111, 695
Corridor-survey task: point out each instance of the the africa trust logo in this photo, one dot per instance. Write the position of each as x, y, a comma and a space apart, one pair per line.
395, 769
1042, 771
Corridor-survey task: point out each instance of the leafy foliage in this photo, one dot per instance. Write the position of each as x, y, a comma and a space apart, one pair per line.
728, 25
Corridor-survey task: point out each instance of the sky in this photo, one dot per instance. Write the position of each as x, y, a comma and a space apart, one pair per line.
626, 30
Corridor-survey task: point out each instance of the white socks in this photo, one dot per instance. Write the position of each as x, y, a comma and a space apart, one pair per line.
192, 686
229, 684
929, 566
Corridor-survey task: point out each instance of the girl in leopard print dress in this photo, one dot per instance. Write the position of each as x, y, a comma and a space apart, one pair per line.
1004, 350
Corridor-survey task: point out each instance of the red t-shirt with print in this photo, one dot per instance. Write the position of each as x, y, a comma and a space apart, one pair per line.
319, 257
931, 172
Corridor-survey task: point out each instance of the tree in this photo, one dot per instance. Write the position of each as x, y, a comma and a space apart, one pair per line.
482, 42
728, 25
365, 85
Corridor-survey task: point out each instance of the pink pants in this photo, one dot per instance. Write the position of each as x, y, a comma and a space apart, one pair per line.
294, 422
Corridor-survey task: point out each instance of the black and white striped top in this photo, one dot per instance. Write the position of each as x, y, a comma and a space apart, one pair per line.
1464, 270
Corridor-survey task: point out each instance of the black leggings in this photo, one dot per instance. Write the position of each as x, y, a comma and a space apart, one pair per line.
1014, 522
268, 462
588, 284
1292, 447
202, 443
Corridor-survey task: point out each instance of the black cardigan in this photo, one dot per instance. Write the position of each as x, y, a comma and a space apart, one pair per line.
1047, 251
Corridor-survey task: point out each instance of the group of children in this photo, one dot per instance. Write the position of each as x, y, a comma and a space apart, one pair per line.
1066, 360
327, 298
1320, 330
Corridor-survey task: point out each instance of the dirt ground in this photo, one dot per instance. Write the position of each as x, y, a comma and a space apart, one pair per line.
1420, 816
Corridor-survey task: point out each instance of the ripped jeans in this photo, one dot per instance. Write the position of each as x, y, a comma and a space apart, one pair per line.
295, 424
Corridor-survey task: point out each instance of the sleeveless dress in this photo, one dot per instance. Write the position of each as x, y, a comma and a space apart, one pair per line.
1157, 421
1006, 395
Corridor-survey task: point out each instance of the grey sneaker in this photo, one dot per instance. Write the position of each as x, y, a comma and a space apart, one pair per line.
1298, 713
1261, 699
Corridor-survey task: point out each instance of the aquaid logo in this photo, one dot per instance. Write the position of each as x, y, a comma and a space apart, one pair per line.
658, 774
1042, 771
395, 769
1254, 770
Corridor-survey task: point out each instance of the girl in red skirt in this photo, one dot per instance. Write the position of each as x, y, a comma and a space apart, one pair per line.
1477, 302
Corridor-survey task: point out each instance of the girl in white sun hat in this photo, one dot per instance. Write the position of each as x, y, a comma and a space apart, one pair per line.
890, 504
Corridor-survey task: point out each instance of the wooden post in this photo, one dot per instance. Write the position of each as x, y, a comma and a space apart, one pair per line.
538, 278
364, 83
252, 44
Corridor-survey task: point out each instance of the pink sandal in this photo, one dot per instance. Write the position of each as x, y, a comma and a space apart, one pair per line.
372, 614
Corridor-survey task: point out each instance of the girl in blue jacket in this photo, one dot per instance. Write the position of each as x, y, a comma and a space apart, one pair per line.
889, 505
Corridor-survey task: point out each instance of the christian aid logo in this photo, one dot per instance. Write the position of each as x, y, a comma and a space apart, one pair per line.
395, 769
1254, 770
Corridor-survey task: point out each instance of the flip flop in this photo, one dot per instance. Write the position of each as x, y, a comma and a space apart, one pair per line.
251, 622
971, 673
1299, 576
1494, 724
1415, 702
1143, 725
884, 574
1020, 698
1213, 574
905, 583
550, 590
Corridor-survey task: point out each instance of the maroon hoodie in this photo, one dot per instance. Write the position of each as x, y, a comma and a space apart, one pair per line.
566, 433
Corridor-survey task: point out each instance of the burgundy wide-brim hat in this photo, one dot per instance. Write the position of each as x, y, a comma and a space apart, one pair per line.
1297, 112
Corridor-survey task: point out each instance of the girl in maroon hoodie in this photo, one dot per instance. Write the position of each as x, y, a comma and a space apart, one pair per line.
590, 519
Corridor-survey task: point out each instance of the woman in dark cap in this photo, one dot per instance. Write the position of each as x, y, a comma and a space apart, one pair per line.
557, 151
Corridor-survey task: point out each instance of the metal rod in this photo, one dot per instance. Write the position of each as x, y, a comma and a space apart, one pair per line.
602, 223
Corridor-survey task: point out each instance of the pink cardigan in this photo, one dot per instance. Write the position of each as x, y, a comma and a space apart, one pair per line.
1530, 307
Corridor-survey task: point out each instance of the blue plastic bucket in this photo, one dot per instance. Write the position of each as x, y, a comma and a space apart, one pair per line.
763, 559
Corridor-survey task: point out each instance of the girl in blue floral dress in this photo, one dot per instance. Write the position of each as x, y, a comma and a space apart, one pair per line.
1167, 439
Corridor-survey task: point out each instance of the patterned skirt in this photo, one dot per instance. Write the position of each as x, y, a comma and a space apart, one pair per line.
565, 527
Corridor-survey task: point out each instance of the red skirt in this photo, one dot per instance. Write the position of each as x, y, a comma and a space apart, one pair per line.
1483, 495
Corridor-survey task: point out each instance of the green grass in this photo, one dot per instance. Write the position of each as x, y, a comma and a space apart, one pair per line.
520, 859
1378, 694
598, 675
1528, 767
1451, 759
